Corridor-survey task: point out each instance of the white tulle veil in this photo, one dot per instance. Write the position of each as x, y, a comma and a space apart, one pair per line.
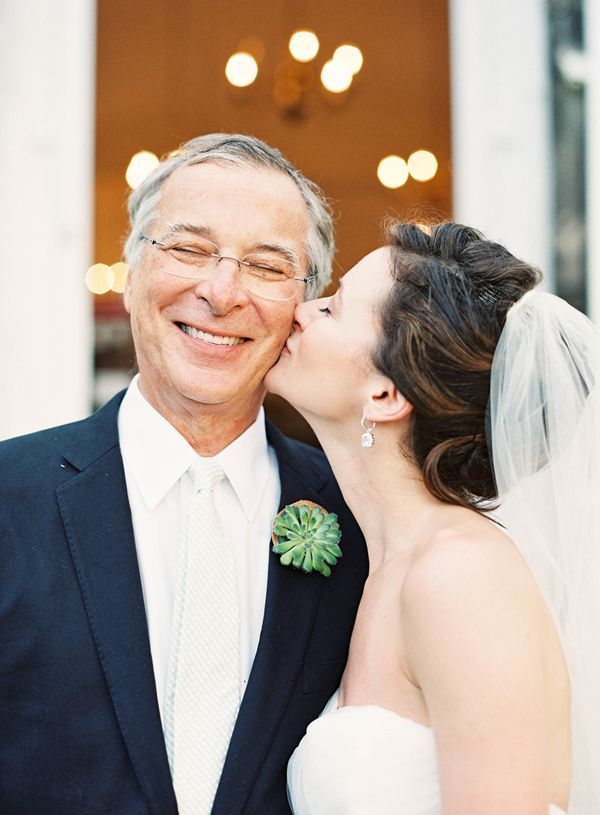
545, 441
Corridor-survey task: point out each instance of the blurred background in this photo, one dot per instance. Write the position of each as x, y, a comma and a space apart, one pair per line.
488, 113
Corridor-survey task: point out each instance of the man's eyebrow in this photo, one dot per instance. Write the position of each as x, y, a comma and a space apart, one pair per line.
278, 249
206, 232
193, 229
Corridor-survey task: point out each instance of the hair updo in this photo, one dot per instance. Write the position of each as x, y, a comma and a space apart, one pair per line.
441, 323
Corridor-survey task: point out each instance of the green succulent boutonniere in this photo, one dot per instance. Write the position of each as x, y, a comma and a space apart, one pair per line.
307, 537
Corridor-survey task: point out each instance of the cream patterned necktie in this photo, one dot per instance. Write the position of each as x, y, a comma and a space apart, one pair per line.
203, 682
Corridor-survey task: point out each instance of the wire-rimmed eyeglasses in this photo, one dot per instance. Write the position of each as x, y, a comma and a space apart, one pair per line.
267, 275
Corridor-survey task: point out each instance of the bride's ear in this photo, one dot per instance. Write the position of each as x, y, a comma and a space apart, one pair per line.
385, 403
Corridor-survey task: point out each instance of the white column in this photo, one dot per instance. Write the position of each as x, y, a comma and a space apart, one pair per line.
592, 37
501, 125
47, 69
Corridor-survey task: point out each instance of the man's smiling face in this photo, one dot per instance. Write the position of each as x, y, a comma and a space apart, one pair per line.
211, 342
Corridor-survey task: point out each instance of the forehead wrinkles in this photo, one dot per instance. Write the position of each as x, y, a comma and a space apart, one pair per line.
254, 205
213, 182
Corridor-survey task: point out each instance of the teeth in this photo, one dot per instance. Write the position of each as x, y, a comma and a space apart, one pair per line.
204, 335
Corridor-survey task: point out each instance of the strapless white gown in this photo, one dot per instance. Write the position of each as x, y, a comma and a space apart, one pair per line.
366, 761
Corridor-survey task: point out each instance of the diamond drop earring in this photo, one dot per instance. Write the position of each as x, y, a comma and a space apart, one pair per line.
367, 439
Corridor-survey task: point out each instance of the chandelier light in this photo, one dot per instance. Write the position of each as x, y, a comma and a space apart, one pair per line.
295, 78
350, 56
336, 76
304, 45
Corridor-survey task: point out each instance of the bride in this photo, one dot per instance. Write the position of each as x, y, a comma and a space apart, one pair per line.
437, 381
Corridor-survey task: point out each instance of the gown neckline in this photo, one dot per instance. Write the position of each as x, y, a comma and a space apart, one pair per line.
332, 708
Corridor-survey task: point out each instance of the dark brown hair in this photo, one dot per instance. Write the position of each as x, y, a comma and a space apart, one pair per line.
441, 322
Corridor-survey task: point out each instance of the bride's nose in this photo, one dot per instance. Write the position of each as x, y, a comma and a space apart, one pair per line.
306, 312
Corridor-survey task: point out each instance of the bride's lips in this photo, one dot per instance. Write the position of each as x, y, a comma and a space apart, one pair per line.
286, 348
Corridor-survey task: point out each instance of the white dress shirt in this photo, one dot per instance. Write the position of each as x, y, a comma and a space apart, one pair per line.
156, 459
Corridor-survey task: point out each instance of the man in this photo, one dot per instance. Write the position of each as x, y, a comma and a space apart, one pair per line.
122, 664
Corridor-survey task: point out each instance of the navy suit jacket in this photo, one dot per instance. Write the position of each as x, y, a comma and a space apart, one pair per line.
80, 731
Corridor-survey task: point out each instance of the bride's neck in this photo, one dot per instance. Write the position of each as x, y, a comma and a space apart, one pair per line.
383, 489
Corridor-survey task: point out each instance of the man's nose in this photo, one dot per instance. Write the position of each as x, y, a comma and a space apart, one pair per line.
223, 288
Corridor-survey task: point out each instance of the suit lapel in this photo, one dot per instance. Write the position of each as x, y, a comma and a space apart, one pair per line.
97, 520
291, 603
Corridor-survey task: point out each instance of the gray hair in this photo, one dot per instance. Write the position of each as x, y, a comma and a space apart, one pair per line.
242, 151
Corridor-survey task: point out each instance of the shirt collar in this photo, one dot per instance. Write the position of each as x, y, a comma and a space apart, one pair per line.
157, 455
246, 464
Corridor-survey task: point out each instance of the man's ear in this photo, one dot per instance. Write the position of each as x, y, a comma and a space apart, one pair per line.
385, 403
127, 292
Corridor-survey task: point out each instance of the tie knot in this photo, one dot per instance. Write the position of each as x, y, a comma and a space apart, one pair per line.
205, 472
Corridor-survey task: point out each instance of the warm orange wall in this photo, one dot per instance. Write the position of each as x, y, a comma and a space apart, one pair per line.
161, 81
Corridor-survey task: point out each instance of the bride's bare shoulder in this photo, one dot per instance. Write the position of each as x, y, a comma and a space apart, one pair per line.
467, 568
462, 539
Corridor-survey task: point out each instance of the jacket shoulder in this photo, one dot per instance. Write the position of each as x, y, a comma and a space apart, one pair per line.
46, 439
35, 456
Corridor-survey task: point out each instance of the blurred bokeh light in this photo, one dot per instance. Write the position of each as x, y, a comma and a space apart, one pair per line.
392, 172
99, 278
140, 166
304, 45
241, 69
336, 77
350, 56
422, 165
